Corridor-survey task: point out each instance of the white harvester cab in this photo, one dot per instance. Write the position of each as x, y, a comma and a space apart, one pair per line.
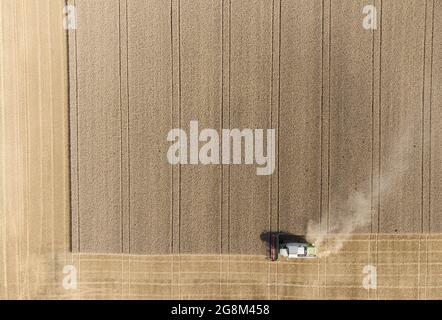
283, 247
294, 250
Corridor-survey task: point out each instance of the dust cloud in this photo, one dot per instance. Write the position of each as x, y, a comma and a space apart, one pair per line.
354, 211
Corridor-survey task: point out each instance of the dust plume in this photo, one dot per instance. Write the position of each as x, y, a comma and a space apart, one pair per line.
354, 211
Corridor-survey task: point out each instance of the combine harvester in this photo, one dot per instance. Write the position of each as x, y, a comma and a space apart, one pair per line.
283, 246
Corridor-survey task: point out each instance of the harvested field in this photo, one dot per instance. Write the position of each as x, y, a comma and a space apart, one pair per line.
408, 267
